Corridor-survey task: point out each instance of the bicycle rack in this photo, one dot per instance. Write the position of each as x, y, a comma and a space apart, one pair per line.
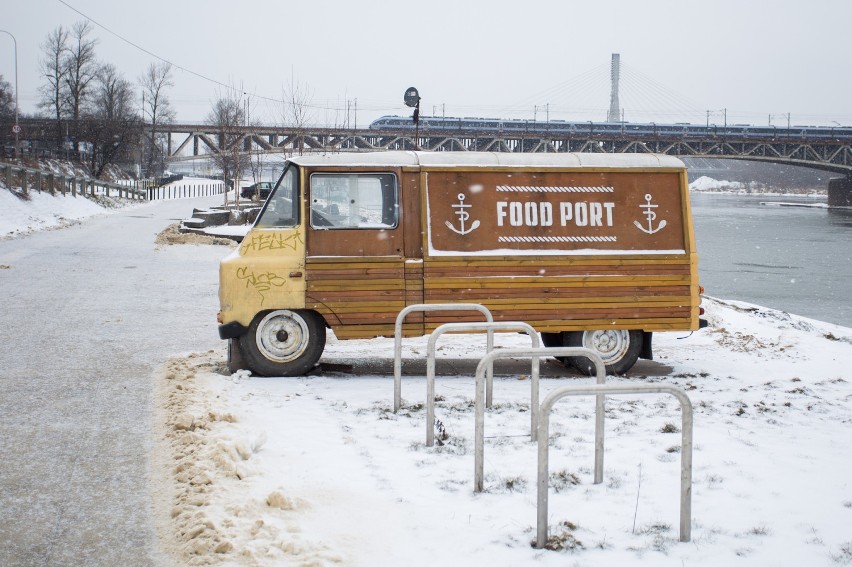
397, 337
535, 353
489, 382
600, 390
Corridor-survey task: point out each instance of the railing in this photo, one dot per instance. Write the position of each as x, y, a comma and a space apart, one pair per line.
39, 180
154, 191
600, 390
397, 337
145, 190
489, 327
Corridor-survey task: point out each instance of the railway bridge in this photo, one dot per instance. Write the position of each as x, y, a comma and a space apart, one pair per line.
823, 148
828, 149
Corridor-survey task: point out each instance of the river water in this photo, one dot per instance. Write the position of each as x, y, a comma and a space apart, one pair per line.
795, 259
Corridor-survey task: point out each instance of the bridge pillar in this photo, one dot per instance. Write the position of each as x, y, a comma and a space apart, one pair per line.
840, 192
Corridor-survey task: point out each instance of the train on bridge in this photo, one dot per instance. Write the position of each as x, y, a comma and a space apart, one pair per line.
590, 128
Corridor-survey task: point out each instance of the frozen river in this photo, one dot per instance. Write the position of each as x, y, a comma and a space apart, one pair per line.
795, 259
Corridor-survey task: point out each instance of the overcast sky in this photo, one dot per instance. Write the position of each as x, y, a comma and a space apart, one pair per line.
495, 58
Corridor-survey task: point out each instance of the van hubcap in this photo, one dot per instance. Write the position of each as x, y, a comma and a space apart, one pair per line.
610, 345
282, 336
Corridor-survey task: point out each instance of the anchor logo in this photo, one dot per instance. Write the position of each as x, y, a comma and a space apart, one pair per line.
650, 215
463, 217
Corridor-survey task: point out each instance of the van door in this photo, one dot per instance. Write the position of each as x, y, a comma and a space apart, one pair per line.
355, 254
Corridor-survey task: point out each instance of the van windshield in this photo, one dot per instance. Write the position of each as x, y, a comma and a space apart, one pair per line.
282, 207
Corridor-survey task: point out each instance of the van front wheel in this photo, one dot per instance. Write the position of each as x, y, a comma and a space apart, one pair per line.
618, 348
284, 342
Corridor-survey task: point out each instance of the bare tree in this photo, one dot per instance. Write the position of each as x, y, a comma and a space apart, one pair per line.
228, 116
82, 68
53, 68
111, 124
295, 110
7, 99
7, 110
156, 110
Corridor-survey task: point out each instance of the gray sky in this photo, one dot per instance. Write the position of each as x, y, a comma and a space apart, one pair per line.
493, 58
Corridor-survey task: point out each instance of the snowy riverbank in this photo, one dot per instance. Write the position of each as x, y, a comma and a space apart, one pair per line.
319, 470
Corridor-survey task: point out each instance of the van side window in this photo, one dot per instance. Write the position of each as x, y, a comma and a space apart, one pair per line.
354, 200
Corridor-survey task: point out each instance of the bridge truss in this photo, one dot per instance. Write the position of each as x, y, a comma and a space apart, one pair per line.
193, 141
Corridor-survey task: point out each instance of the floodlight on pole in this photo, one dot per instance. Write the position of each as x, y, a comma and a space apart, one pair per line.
412, 100
16, 128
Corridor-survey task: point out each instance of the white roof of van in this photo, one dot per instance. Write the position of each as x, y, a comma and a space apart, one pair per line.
487, 159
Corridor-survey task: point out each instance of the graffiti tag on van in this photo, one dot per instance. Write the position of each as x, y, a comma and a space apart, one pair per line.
261, 282
272, 242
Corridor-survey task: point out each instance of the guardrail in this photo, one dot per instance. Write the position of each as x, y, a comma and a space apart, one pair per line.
489, 382
43, 181
479, 406
144, 190
397, 337
600, 390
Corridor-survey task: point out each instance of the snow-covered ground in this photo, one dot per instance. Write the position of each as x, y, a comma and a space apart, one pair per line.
44, 211
319, 470
41, 210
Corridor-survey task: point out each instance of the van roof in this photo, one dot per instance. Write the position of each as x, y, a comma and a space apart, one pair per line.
489, 159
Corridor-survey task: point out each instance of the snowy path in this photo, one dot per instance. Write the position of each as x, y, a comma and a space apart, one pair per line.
88, 312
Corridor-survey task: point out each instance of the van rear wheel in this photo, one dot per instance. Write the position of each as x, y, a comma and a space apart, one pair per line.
619, 349
284, 342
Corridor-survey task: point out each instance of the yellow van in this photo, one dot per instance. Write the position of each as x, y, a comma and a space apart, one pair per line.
590, 249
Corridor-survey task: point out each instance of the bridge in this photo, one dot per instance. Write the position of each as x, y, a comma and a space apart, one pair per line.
828, 149
824, 148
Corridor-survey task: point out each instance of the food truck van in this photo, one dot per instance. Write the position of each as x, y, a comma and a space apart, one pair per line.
593, 250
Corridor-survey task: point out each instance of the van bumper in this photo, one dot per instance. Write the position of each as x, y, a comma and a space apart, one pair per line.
232, 330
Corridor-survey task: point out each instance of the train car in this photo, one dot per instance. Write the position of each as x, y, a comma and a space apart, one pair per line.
599, 129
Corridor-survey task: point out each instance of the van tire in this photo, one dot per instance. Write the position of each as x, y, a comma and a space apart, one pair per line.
619, 349
283, 342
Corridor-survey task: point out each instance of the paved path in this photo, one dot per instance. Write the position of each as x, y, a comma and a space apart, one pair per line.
86, 314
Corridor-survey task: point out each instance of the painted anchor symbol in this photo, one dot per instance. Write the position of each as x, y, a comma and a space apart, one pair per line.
463, 217
650, 215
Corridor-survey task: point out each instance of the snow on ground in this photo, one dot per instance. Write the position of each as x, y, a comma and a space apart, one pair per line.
44, 211
318, 470
41, 210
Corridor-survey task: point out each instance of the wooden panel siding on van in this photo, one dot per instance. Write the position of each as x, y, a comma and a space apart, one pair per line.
590, 249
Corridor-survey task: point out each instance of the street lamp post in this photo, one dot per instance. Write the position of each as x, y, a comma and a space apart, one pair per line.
16, 128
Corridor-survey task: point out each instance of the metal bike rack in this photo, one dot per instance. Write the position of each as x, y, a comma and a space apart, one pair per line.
535, 354
489, 382
608, 390
397, 337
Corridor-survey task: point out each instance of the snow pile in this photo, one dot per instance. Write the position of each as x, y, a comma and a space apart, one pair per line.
41, 210
705, 183
319, 470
